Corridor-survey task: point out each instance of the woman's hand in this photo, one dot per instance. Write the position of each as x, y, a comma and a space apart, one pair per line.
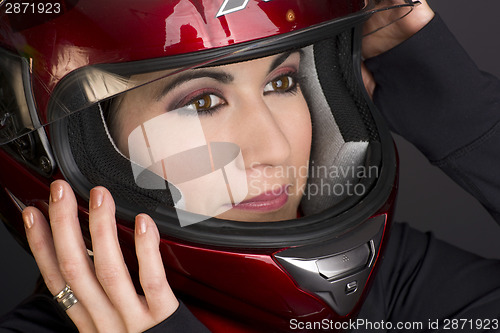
395, 33
391, 35
107, 299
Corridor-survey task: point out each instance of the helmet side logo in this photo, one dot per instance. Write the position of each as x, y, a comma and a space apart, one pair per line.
231, 6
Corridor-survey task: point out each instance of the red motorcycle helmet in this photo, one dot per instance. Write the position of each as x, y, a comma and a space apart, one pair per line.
63, 70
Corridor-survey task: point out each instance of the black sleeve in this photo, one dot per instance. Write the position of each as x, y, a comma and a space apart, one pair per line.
182, 320
427, 282
41, 314
433, 94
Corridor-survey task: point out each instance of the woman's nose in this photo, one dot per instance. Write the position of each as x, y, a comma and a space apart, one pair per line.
263, 140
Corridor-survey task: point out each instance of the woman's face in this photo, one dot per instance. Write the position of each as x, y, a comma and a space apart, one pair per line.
256, 105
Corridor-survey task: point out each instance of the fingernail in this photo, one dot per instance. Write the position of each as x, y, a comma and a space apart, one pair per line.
56, 192
141, 225
96, 197
28, 219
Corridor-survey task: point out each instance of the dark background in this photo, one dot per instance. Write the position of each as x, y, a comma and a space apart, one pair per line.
428, 199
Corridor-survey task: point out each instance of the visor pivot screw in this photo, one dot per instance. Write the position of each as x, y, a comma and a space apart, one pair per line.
290, 15
25, 147
45, 164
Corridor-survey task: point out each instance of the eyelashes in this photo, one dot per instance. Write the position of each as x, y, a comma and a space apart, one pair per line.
283, 83
208, 101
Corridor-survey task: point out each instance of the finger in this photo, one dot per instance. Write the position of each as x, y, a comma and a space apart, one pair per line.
110, 267
160, 298
42, 247
368, 80
74, 263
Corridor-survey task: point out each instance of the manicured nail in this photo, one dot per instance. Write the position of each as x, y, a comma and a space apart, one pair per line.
29, 219
96, 197
141, 225
56, 192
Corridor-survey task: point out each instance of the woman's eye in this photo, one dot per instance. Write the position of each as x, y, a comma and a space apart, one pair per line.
280, 84
205, 102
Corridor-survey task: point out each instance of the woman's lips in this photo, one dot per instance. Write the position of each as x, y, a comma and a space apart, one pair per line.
265, 202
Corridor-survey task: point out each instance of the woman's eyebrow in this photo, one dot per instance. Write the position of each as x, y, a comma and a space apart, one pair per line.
282, 58
222, 77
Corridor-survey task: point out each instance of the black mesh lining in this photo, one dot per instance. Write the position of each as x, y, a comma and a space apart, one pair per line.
101, 164
333, 58
346, 62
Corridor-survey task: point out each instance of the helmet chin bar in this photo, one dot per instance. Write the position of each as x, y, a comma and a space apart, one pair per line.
337, 271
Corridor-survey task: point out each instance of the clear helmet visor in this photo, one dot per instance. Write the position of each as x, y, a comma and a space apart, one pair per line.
225, 139
249, 141
228, 141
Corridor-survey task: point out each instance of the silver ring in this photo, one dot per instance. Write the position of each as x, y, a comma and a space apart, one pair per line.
65, 298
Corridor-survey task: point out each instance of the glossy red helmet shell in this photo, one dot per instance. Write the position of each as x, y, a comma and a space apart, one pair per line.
241, 277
